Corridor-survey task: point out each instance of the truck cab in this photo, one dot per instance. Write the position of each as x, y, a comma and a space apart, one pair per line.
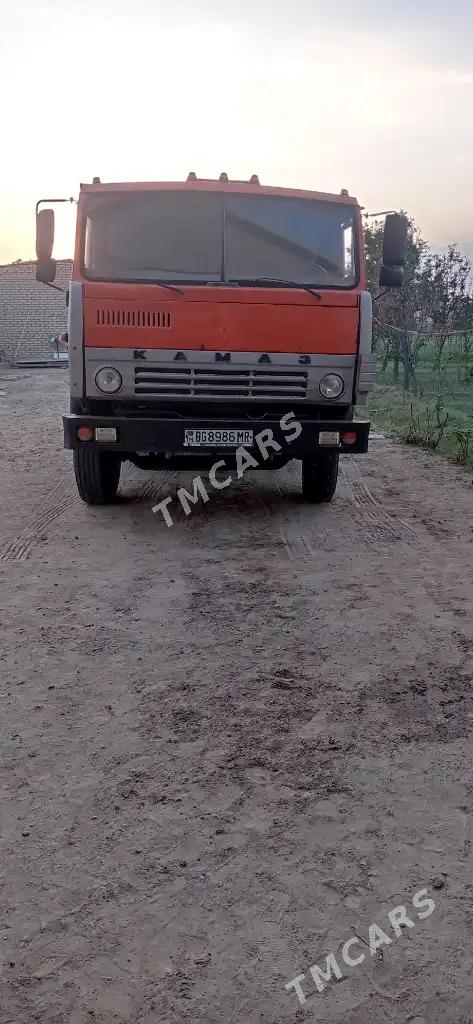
203, 311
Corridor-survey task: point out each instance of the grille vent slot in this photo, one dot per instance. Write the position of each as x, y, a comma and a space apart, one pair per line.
133, 318
190, 382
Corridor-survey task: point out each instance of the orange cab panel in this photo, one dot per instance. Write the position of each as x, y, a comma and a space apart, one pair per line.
249, 320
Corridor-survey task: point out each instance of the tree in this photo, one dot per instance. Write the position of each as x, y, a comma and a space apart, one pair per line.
402, 308
445, 283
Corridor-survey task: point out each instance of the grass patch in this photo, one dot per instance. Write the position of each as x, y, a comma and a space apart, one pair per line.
441, 419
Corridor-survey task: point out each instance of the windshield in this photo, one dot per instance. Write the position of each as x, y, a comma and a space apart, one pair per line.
194, 238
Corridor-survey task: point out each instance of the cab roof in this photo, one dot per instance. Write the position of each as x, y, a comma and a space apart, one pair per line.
222, 184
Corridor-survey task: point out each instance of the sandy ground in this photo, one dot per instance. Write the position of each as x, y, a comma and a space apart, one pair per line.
229, 746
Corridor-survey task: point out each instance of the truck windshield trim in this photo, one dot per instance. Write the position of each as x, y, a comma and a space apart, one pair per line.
190, 239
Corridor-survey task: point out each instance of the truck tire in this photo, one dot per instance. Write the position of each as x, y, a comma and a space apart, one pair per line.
97, 476
319, 477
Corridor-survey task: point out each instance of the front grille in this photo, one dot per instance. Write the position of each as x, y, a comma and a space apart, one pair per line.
133, 318
189, 382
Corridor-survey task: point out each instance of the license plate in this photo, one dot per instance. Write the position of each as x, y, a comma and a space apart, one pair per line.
207, 438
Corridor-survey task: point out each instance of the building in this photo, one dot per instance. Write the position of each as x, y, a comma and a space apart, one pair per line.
31, 314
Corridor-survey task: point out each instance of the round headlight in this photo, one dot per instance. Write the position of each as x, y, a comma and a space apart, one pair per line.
332, 385
108, 380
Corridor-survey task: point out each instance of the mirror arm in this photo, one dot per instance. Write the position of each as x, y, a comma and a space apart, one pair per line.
57, 287
380, 294
38, 204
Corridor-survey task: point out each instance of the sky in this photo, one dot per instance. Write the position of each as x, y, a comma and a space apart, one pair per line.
376, 97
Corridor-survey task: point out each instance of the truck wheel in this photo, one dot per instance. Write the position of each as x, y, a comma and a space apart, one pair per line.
97, 475
319, 477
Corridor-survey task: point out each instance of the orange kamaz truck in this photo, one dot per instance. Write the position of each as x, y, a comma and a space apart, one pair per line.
201, 312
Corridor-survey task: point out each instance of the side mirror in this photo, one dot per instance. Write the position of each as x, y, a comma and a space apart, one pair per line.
46, 266
46, 271
394, 251
391, 277
44, 234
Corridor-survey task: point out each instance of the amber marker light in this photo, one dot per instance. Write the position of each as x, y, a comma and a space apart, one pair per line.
85, 433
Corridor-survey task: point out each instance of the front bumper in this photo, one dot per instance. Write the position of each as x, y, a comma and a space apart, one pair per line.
159, 435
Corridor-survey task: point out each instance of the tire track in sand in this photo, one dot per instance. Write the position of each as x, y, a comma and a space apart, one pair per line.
19, 548
380, 526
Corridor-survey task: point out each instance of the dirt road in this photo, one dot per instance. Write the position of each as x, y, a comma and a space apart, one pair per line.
230, 746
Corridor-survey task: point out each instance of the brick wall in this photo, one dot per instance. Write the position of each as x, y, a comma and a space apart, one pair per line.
30, 312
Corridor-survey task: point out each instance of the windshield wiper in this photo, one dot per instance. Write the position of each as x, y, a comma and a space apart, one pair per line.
135, 280
170, 287
275, 281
